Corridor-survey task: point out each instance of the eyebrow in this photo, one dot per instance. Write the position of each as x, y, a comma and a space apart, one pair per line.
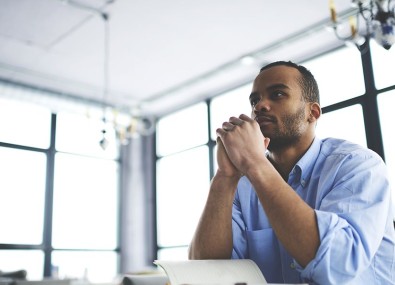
278, 86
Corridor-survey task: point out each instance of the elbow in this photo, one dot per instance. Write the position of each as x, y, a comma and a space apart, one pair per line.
191, 253
196, 252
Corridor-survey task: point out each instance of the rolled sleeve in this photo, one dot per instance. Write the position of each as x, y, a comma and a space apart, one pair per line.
351, 223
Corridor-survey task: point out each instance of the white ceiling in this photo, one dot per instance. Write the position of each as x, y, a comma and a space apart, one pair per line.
163, 54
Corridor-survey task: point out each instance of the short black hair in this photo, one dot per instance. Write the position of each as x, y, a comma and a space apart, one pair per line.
307, 81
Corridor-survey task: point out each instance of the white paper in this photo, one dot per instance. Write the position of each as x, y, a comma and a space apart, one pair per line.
230, 271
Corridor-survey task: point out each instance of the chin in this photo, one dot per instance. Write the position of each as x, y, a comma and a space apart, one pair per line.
266, 133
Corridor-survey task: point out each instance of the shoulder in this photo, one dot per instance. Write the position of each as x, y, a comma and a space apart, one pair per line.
346, 161
345, 165
333, 147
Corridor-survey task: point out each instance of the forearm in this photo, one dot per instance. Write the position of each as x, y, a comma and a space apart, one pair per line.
293, 221
213, 236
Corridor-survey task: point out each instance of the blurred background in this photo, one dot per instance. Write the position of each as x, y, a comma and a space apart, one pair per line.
108, 111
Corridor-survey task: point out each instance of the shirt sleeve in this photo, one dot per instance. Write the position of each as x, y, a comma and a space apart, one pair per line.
238, 226
351, 217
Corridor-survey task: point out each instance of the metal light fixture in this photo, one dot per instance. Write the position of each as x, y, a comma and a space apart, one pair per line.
373, 19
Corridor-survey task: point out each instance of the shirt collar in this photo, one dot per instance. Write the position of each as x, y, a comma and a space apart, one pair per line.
305, 165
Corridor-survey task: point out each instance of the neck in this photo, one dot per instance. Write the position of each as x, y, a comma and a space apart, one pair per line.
284, 159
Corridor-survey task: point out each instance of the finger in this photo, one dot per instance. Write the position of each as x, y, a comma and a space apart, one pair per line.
220, 144
220, 132
236, 121
266, 142
245, 118
227, 126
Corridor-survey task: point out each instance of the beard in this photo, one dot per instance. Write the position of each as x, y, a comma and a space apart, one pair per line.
289, 132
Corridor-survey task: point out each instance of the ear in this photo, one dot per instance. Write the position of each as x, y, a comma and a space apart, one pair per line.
315, 112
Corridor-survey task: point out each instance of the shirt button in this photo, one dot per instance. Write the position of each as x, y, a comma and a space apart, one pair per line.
292, 265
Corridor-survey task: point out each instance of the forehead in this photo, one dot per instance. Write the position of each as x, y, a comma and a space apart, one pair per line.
278, 75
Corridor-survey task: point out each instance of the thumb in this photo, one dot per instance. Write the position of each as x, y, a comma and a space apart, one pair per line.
266, 141
219, 142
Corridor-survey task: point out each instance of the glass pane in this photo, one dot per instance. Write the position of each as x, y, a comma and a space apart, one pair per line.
22, 195
230, 104
339, 75
346, 123
88, 266
182, 187
182, 130
85, 202
30, 260
24, 123
382, 69
176, 253
386, 103
76, 133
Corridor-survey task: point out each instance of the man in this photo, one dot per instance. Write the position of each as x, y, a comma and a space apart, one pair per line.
304, 209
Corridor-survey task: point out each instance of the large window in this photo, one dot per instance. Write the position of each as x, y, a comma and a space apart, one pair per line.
60, 194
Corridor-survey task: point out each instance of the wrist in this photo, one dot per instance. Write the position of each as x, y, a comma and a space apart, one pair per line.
226, 177
258, 170
224, 182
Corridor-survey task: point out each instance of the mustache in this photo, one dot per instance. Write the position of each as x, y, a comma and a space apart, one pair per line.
259, 117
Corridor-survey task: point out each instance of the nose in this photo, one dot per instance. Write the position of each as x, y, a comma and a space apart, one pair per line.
262, 105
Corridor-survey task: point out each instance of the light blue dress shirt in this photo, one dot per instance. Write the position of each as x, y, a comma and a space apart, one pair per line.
348, 187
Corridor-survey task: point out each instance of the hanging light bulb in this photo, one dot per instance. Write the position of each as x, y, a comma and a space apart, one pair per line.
104, 141
383, 28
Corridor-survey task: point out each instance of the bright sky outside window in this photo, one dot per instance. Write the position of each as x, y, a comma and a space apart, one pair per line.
339, 75
232, 103
22, 199
85, 202
30, 260
382, 65
182, 184
27, 124
182, 130
346, 123
92, 266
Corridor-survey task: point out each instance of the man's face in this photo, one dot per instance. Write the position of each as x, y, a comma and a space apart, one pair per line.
277, 105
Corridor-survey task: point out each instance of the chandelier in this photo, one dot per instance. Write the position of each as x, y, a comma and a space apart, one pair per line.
372, 19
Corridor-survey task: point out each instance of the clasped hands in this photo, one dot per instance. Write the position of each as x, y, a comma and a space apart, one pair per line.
241, 145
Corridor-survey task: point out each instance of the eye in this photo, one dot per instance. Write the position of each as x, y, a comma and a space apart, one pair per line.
254, 101
277, 94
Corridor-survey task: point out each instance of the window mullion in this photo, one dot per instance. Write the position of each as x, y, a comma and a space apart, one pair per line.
48, 213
